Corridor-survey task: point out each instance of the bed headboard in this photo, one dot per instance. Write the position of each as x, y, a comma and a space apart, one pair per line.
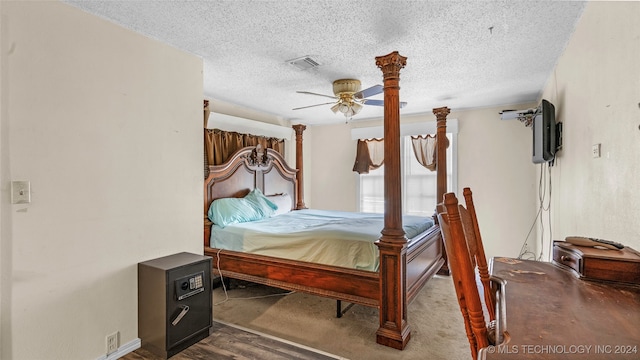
250, 167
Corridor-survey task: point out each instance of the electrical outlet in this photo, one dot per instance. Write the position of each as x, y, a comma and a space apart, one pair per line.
112, 342
20, 192
595, 150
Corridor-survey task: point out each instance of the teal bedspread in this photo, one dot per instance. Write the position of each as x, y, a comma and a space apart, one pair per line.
335, 238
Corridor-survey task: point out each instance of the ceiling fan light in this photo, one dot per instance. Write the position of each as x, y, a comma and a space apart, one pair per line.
350, 99
350, 112
343, 108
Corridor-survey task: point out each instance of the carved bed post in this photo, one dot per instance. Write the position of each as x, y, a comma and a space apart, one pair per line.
441, 151
299, 177
394, 330
441, 168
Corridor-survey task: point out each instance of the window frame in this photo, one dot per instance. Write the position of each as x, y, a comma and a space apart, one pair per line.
452, 158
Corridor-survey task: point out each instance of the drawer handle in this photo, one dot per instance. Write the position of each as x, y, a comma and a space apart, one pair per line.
565, 258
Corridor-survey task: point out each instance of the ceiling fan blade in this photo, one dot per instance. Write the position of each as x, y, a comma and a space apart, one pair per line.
311, 93
379, 102
304, 107
374, 90
373, 102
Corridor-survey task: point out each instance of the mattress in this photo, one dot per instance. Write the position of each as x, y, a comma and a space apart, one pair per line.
336, 238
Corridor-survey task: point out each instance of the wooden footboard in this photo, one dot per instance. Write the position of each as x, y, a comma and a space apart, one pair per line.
424, 258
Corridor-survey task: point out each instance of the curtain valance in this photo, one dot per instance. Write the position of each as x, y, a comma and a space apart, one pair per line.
424, 149
220, 145
370, 153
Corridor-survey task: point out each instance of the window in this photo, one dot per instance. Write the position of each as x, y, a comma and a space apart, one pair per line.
418, 183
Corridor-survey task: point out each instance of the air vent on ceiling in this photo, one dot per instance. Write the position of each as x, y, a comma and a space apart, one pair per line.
304, 63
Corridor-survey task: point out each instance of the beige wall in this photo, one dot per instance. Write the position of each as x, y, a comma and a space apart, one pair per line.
83, 102
332, 183
494, 160
596, 90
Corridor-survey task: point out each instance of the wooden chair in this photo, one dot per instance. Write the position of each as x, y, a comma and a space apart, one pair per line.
462, 247
476, 249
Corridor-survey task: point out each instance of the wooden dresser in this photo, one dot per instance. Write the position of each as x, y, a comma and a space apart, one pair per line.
598, 264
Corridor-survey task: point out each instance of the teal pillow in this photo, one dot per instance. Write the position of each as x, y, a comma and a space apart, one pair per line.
228, 211
261, 203
254, 206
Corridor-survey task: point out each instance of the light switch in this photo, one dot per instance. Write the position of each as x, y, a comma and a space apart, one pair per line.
595, 150
20, 192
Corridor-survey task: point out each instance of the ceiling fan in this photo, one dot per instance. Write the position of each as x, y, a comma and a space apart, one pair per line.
349, 99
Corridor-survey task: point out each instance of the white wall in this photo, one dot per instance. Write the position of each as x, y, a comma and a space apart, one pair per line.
494, 160
332, 183
5, 208
106, 125
596, 91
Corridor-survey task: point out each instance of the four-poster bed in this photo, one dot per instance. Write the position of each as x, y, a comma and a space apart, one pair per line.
404, 265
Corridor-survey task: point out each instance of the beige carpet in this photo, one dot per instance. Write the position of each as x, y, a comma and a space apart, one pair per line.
437, 331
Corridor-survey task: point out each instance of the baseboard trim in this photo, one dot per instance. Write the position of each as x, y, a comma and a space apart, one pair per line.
123, 350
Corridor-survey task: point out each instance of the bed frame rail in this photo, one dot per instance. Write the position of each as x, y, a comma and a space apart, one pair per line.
356, 286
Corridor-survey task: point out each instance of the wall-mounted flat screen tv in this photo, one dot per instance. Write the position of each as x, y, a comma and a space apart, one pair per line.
545, 133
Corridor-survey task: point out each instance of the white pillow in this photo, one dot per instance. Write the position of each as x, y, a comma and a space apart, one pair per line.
283, 201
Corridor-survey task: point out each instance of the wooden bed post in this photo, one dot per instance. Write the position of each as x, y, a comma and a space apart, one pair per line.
299, 178
441, 151
394, 330
441, 168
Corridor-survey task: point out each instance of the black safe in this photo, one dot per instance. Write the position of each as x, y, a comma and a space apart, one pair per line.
174, 302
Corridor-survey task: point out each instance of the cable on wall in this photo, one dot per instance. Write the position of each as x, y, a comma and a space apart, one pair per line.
544, 205
547, 208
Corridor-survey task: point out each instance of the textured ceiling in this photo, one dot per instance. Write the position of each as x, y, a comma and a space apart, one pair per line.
461, 54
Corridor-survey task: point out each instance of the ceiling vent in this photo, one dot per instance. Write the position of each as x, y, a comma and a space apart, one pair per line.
304, 63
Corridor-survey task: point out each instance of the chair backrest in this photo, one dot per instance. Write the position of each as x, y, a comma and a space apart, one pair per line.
463, 274
476, 250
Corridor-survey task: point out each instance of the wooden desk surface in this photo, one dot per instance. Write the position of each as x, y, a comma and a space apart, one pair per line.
552, 314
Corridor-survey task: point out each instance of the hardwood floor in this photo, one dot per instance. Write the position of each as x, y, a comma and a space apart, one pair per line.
227, 342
